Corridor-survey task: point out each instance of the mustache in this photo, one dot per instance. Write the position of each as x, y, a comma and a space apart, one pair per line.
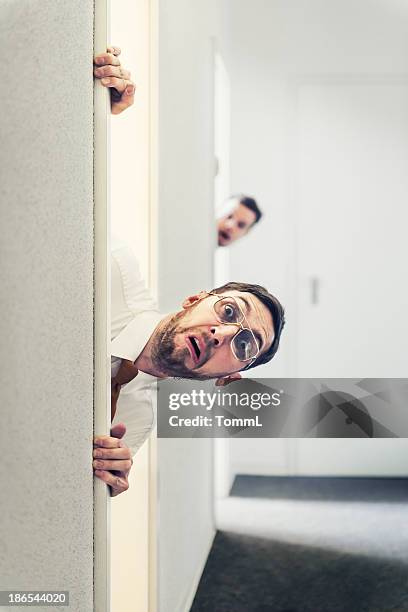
204, 337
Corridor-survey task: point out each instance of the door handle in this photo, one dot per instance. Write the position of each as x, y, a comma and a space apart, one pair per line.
314, 290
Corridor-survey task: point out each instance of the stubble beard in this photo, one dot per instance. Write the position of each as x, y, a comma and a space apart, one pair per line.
166, 357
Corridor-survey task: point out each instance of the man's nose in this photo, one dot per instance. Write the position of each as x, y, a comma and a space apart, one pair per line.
229, 223
222, 334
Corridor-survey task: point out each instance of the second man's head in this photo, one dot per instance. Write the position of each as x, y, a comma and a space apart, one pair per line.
238, 221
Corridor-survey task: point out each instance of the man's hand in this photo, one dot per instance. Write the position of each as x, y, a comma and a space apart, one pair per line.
227, 380
112, 75
113, 459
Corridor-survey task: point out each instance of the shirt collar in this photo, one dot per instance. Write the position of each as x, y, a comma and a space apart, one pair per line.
133, 338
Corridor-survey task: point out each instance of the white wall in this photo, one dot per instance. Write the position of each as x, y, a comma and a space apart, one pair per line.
186, 241
186, 163
273, 45
131, 204
186, 526
46, 275
130, 133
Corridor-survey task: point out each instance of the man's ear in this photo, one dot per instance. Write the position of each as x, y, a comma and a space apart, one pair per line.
192, 299
226, 380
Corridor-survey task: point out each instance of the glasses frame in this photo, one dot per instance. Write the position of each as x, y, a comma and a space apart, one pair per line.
240, 325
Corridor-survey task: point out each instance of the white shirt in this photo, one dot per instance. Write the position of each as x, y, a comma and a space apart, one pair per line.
134, 317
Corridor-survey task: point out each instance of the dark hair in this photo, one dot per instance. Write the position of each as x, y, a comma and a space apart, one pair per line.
251, 204
274, 307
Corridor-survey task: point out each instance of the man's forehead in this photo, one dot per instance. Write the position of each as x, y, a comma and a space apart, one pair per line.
228, 207
257, 314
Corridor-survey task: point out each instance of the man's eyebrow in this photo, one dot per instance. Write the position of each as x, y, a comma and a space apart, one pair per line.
248, 308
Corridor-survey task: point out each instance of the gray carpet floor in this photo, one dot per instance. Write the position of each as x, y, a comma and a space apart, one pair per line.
309, 545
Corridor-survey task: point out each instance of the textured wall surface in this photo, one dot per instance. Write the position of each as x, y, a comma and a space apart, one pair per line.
46, 279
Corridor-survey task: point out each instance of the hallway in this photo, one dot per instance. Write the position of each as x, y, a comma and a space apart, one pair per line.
308, 545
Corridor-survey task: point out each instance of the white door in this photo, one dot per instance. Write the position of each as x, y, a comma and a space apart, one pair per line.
353, 215
352, 206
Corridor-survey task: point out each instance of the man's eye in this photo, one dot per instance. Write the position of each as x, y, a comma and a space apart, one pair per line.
241, 225
230, 312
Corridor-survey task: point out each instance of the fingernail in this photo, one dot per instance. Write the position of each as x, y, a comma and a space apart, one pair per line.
106, 81
97, 453
97, 464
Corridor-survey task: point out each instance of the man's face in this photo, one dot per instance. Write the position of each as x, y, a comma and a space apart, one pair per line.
235, 224
195, 344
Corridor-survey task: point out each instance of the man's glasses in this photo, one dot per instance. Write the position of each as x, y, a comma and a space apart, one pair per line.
244, 345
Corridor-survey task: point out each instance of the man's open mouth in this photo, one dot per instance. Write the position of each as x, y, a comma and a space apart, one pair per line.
225, 236
194, 346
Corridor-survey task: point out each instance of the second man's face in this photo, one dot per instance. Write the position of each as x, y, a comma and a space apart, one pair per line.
236, 224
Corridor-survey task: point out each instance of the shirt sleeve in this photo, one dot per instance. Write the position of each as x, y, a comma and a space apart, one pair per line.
135, 410
129, 291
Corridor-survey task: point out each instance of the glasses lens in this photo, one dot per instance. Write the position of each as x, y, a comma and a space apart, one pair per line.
228, 311
244, 345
